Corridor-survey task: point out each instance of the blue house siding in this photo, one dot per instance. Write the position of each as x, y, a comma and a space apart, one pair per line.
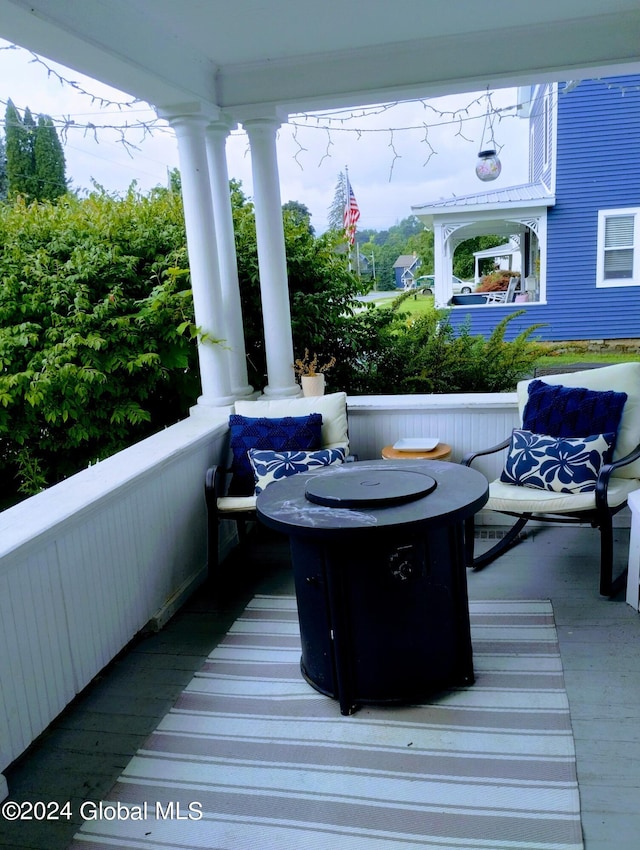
597, 167
398, 277
405, 268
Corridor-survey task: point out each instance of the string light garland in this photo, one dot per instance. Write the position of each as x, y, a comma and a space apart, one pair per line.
122, 130
341, 121
329, 122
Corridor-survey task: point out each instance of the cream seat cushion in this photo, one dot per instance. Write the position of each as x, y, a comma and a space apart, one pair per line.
511, 497
229, 504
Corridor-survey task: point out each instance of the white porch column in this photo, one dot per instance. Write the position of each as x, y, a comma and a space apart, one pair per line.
441, 268
271, 257
189, 125
216, 137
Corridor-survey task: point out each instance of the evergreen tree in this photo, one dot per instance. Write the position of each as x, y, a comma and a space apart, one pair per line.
3, 171
336, 210
19, 153
50, 181
35, 159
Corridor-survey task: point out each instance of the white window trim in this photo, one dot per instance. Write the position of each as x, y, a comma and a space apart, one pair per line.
603, 215
546, 129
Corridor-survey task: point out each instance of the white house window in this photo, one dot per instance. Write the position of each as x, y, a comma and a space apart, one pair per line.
618, 261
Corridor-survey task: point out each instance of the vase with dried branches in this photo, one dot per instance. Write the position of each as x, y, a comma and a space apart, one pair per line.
311, 373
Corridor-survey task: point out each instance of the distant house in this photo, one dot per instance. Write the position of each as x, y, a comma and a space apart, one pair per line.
405, 270
575, 226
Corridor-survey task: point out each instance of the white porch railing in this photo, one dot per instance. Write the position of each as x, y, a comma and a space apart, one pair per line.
87, 564
466, 421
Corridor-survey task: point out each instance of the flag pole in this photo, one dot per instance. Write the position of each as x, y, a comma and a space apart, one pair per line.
345, 213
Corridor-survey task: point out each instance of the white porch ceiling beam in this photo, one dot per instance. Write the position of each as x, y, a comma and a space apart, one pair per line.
297, 55
119, 47
430, 67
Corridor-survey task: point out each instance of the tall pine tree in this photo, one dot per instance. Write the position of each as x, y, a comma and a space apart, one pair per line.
35, 159
3, 171
49, 162
335, 218
19, 153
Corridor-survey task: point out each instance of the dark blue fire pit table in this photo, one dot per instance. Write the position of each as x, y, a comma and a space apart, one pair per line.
377, 551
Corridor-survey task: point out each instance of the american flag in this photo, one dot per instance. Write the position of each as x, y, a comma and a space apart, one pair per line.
351, 216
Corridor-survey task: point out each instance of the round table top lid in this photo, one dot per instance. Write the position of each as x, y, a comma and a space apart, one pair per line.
459, 493
362, 487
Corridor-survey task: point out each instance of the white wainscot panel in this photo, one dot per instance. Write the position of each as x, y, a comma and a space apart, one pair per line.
466, 421
87, 564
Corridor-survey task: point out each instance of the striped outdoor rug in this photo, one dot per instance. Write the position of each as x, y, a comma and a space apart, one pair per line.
266, 763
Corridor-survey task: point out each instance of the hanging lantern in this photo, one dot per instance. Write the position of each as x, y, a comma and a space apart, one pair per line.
488, 166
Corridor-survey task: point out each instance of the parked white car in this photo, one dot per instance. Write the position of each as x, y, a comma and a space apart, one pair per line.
426, 283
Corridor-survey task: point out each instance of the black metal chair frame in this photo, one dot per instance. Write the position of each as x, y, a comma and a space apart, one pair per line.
215, 485
600, 517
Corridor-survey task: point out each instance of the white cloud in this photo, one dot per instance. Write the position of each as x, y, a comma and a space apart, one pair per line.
391, 167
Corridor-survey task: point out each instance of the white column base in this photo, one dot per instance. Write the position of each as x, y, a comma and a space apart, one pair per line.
282, 392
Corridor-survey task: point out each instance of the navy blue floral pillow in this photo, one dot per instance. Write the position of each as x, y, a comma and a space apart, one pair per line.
560, 411
289, 433
559, 464
273, 466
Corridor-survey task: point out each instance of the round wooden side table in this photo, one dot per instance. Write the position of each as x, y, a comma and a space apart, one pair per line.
441, 452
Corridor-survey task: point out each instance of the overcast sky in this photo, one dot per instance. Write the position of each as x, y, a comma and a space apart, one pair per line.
391, 167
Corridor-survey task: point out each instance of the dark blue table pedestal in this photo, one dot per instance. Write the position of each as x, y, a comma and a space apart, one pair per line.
381, 587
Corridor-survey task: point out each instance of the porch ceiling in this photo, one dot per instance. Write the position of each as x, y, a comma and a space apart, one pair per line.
300, 55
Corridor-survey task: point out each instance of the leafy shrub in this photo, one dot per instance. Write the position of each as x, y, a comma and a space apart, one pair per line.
322, 292
92, 295
97, 329
496, 281
427, 355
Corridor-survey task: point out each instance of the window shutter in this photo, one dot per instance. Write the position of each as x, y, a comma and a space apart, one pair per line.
618, 246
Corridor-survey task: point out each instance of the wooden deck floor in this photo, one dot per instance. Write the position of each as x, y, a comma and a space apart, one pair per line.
79, 757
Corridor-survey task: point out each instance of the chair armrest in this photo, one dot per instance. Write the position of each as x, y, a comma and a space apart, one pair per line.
214, 486
468, 459
606, 472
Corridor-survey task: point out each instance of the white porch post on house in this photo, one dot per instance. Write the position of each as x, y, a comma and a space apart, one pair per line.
442, 267
189, 124
272, 262
216, 137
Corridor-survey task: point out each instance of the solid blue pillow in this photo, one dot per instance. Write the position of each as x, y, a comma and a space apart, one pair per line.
562, 465
560, 411
288, 433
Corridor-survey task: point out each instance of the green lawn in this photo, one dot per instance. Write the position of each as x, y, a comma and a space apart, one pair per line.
416, 305
579, 355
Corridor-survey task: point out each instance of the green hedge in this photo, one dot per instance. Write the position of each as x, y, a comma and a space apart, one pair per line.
92, 295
